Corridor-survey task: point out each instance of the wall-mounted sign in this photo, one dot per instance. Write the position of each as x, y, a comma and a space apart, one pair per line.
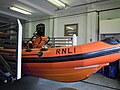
70, 29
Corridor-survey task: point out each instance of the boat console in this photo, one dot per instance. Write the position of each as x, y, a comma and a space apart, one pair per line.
38, 39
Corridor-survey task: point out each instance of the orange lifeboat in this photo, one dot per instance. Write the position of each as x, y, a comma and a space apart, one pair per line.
67, 64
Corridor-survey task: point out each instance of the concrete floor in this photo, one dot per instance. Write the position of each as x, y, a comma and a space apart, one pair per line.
94, 82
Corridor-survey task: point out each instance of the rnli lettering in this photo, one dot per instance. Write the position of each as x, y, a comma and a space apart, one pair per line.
57, 51
69, 51
74, 50
65, 51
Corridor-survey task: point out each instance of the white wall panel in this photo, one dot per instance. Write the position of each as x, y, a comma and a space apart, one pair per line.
82, 24
110, 26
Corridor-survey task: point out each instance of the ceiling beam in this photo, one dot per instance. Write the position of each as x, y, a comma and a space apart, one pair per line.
3, 21
13, 15
36, 7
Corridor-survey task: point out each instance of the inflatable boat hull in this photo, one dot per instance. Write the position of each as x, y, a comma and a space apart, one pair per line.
67, 64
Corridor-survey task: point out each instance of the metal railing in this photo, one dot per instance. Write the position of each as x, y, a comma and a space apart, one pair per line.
59, 41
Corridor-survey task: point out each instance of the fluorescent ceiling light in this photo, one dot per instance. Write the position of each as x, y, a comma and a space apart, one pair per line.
20, 10
58, 3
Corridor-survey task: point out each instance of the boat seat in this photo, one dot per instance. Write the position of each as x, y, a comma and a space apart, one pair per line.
111, 41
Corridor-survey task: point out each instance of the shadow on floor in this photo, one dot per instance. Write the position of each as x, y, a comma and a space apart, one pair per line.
94, 82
